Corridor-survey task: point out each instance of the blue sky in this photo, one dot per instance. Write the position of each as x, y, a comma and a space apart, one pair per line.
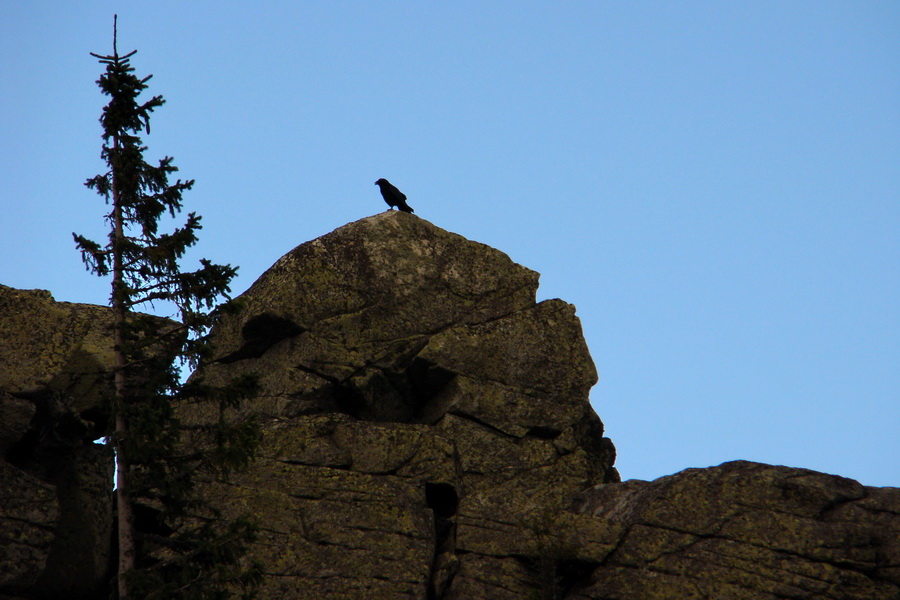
714, 185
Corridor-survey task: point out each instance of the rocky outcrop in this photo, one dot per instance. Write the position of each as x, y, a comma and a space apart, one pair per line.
56, 350
427, 435
55, 496
421, 409
745, 531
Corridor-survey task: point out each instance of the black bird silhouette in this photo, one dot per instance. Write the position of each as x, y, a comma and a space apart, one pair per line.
392, 195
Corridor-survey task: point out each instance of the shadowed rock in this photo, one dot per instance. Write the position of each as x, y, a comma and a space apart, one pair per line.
56, 504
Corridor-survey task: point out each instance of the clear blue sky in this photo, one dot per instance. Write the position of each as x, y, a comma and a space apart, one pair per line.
714, 185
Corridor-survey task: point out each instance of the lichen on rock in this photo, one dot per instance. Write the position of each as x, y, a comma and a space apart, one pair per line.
56, 510
419, 403
427, 434
747, 530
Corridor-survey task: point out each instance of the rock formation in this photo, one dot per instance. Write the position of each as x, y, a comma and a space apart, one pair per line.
422, 409
427, 435
745, 530
55, 493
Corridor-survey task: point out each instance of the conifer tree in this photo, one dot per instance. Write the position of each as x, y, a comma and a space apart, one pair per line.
188, 551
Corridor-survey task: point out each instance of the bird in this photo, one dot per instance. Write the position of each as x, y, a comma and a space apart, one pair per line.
392, 195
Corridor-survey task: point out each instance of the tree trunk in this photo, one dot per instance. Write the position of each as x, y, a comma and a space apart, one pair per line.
123, 498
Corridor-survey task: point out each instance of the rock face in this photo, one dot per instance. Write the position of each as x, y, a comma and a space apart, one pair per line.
746, 531
426, 435
55, 496
429, 436
421, 410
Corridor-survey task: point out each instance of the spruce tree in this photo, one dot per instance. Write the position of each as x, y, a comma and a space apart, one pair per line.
186, 550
